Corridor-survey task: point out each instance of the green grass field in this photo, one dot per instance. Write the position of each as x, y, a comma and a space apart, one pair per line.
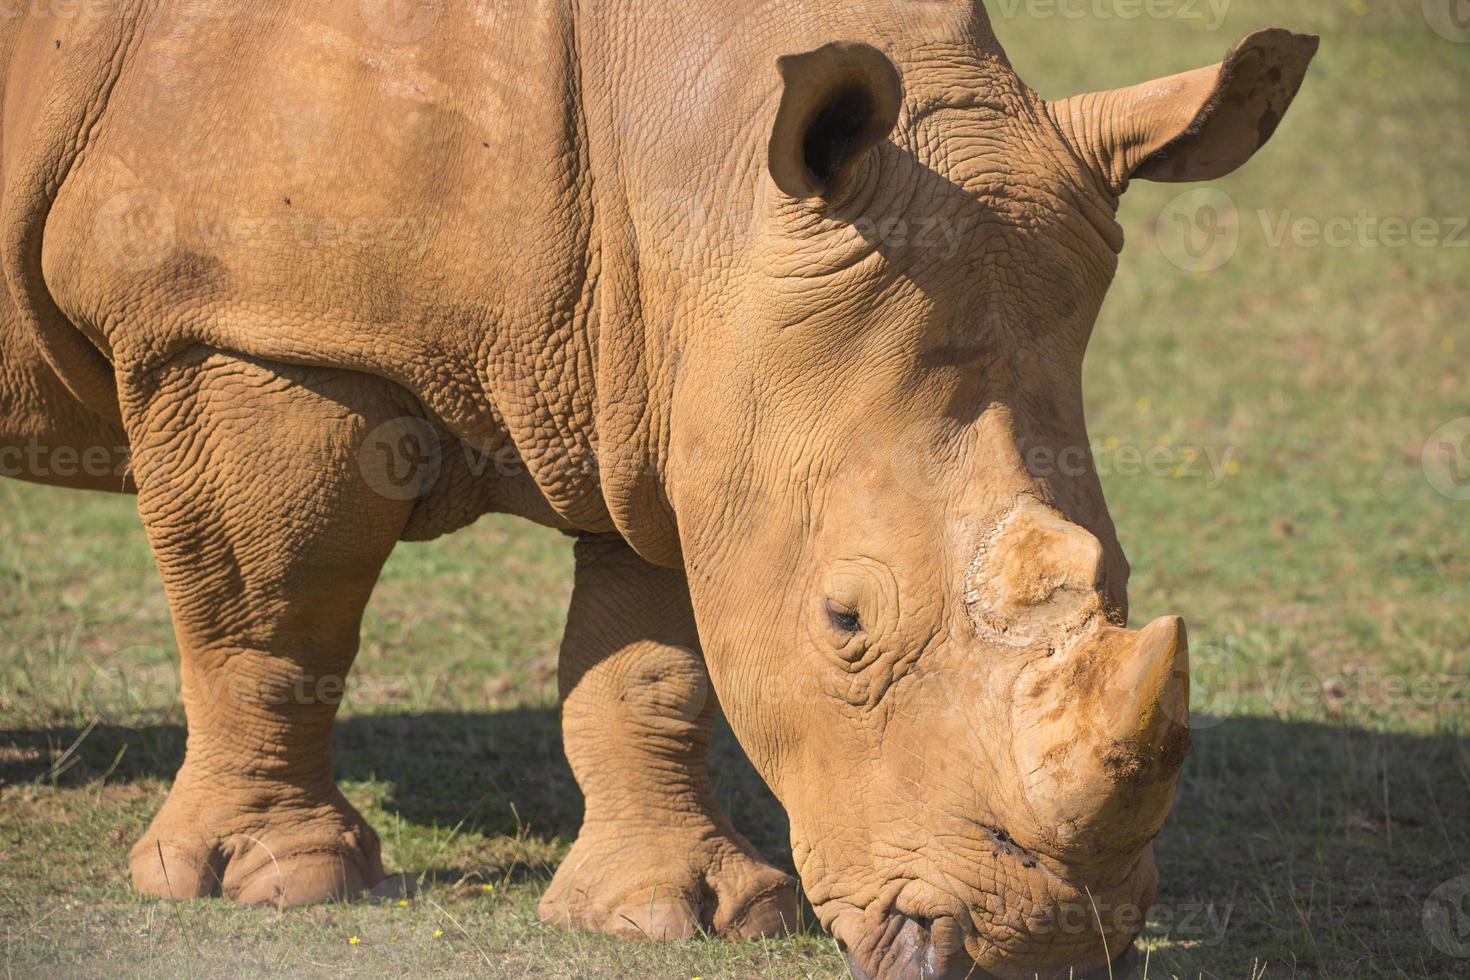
1264, 420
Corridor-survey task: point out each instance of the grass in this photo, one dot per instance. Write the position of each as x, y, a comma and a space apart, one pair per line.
1323, 576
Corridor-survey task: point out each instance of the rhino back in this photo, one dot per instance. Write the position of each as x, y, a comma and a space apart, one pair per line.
323, 184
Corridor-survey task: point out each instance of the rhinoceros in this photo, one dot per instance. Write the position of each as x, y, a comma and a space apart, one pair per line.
774, 307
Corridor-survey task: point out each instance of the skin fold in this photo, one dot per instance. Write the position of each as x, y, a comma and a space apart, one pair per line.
780, 309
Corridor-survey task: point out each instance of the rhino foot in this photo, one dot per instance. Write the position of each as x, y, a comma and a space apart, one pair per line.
656, 858
669, 885
296, 853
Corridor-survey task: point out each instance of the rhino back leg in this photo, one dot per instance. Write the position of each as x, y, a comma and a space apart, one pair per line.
656, 857
46, 435
269, 528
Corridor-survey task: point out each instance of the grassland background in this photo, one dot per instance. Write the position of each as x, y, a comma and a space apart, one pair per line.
1320, 807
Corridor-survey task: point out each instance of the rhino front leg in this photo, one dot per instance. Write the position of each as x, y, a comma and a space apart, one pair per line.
655, 858
269, 531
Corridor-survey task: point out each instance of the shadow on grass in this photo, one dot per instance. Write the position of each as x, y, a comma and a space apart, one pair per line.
1312, 846
494, 773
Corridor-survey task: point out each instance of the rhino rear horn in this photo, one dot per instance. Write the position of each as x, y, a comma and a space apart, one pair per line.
837, 103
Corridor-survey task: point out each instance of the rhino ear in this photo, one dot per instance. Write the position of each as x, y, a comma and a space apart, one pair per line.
837, 103
1198, 125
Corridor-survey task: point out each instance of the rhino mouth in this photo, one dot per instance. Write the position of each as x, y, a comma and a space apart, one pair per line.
914, 948
936, 939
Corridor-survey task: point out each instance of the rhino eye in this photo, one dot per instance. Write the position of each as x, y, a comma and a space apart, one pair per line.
843, 618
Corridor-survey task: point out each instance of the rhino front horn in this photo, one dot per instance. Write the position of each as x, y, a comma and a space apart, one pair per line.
1151, 691
1103, 728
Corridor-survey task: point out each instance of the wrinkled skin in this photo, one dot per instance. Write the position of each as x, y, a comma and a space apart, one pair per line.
782, 310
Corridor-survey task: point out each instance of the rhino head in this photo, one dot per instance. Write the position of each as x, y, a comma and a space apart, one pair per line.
911, 596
